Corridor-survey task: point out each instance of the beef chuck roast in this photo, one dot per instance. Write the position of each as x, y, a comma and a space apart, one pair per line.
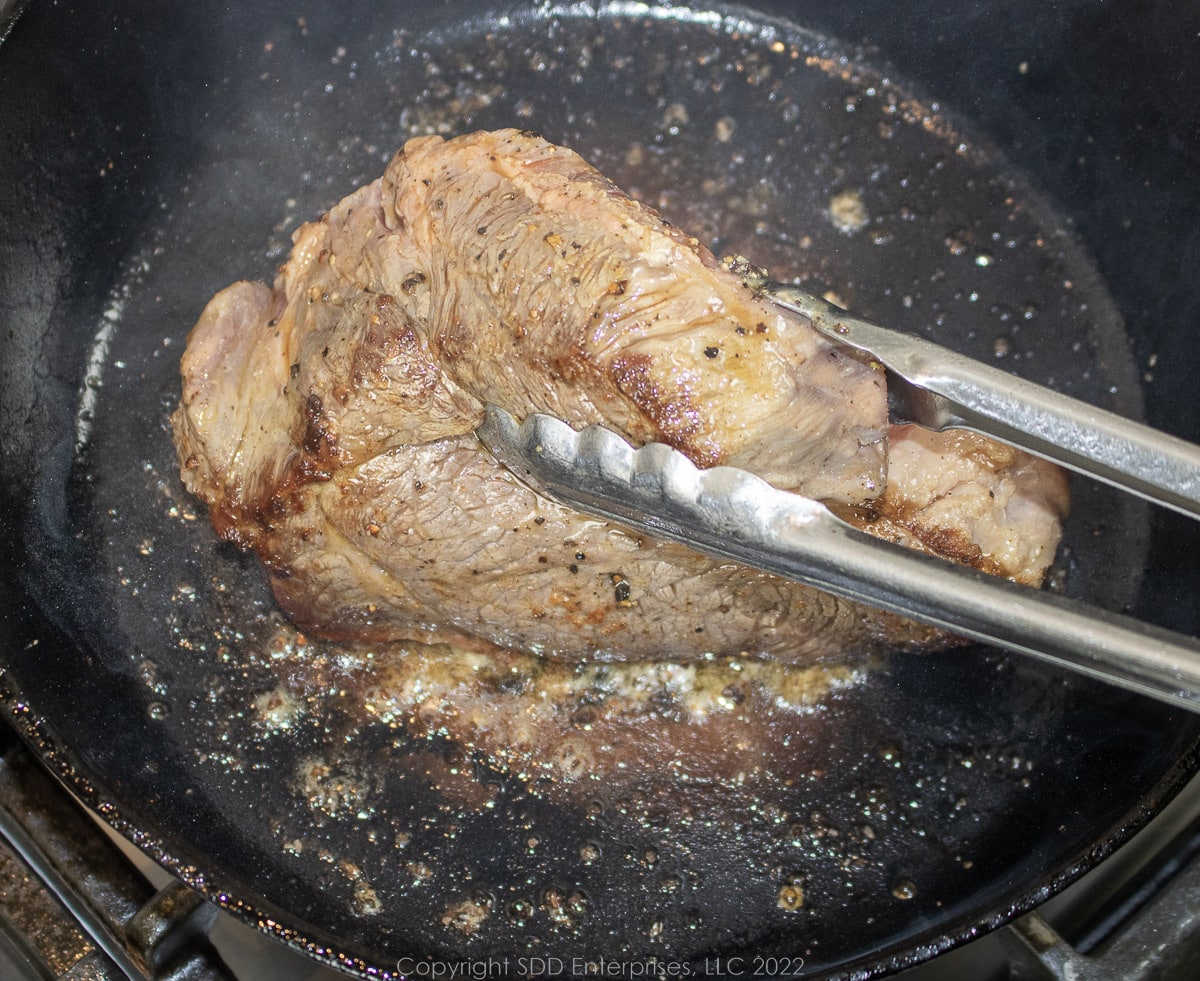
328, 423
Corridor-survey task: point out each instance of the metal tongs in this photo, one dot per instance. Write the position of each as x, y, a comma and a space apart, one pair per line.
732, 514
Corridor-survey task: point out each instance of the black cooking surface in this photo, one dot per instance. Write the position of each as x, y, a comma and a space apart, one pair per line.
146, 659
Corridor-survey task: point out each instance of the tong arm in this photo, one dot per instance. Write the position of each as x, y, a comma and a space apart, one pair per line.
733, 514
942, 389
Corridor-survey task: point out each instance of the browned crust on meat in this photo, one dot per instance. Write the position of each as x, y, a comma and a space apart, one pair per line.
676, 420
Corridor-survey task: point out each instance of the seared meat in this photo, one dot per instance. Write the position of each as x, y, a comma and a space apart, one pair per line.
328, 422
967, 497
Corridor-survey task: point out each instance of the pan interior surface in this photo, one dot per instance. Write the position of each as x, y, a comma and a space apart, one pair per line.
880, 809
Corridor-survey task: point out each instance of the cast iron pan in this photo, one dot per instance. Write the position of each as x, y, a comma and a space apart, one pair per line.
154, 153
